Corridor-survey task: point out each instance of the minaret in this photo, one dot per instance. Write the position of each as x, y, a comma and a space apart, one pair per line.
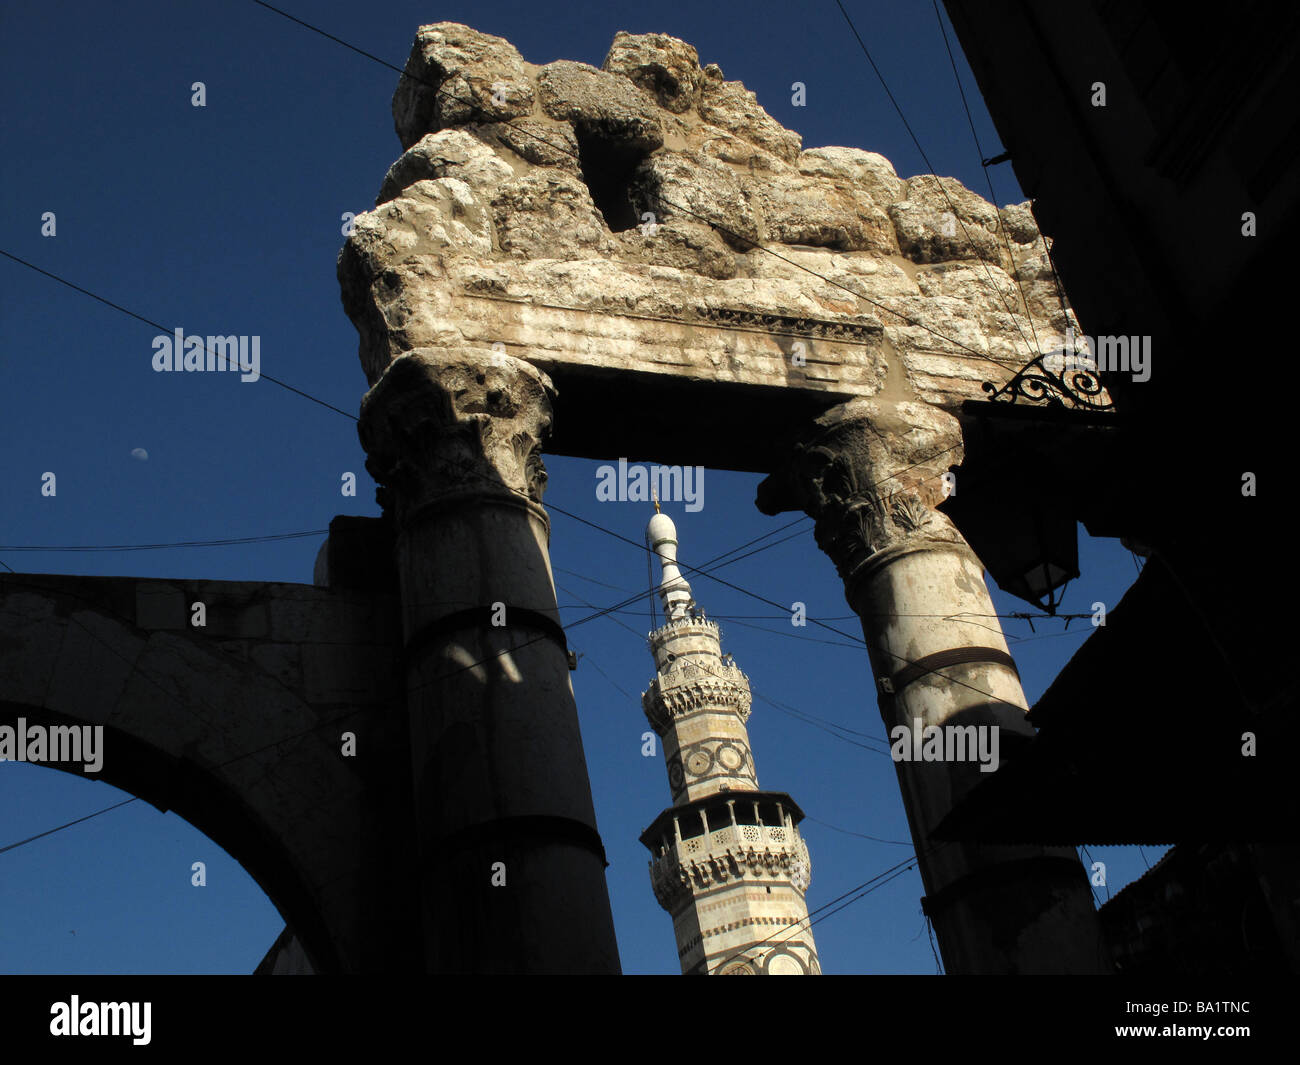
728, 861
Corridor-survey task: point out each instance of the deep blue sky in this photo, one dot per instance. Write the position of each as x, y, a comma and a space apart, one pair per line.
226, 219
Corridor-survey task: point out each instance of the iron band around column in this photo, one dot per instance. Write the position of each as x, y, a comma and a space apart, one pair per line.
958, 656
480, 617
456, 499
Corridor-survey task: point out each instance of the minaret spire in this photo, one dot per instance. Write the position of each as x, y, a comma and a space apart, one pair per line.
674, 591
729, 863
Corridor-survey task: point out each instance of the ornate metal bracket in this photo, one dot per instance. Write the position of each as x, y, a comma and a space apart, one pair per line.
1074, 386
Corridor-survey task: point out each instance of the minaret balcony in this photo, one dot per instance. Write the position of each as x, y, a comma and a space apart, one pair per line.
736, 838
689, 687
733, 852
730, 856
690, 624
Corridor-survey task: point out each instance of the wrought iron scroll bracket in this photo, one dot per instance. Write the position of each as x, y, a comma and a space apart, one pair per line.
1076, 386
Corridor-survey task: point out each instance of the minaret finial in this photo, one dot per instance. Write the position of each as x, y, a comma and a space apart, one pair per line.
654, 494
674, 591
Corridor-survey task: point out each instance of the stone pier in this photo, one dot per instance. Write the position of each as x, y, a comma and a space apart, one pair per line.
870, 474
511, 868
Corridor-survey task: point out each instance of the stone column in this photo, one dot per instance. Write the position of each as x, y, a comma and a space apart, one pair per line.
869, 473
512, 871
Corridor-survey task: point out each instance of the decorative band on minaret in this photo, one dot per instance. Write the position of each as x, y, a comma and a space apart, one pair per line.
728, 861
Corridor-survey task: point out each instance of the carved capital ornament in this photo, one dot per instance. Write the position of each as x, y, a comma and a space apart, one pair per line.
439, 424
869, 475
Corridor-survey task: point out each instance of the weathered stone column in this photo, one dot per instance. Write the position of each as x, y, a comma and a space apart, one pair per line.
512, 872
869, 473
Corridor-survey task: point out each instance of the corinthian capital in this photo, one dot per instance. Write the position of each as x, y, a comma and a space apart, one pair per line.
440, 423
870, 473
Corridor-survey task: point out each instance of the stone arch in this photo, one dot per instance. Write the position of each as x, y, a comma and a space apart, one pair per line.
208, 803
245, 750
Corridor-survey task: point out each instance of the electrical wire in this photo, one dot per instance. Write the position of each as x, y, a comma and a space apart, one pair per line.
825, 724
979, 150
55, 548
165, 329
938, 180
